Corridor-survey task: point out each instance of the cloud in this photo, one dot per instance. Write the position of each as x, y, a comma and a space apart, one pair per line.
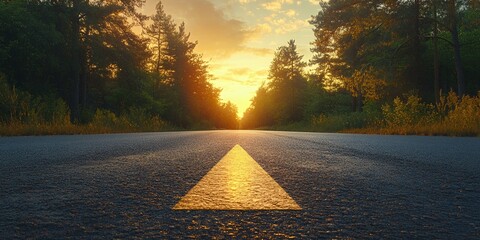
285, 27
243, 80
245, 76
217, 35
272, 6
262, 28
291, 13
276, 5
239, 71
246, 1
260, 51
285, 22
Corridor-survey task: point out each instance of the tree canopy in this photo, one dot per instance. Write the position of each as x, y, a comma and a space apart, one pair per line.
372, 52
87, 53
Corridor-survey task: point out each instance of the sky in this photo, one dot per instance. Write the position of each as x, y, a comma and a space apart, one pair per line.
238, 38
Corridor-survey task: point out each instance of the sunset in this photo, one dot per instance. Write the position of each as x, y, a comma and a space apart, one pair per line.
238, 38
239, 119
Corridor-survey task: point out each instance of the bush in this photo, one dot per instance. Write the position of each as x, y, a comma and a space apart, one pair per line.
24, 114
141, 119
136, 119
107, 121
18, 106
409, 112
462, 115
371, 115
451, 116
335, 123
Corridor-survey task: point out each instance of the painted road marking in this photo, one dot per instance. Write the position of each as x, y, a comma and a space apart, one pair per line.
237, 182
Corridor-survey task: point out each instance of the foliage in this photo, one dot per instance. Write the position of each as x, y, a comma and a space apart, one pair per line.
21, 107
328, 103
336, 123
369, 53
452, 116
82, 59
460, 116
409, 112
282, 99
364, 83
176, 67
136, 119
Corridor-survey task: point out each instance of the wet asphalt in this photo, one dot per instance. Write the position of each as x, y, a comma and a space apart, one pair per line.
348, 186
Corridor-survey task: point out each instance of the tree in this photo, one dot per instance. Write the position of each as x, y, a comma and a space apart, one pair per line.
453, 28
351, 35
181, 75
283, 99
162, 24
227, 116
260, 112
287, 83
86, 52
364, 84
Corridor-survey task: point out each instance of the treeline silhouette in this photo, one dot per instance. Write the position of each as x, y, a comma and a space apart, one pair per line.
81, 62
368, 54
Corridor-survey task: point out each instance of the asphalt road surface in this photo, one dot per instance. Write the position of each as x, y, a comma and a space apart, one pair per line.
347, 186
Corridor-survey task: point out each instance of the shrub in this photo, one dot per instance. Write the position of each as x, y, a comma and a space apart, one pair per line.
24, 114
335, 123
137, 116
108, 121
18, 106
136, 119
409, 112
464, 114
157, 124
452, 116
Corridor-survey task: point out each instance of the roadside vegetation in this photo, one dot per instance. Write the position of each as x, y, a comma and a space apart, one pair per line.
404, 116
25, 114
76, 66
383, 67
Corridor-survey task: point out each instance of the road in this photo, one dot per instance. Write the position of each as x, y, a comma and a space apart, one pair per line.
347, 186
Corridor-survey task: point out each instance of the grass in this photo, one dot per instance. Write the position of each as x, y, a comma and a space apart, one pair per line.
452, 116
24, 114
20, 129
434, 130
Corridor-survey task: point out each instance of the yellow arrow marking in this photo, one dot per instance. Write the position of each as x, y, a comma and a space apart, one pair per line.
237, 182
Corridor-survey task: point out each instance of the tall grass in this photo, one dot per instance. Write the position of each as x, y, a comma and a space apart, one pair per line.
24, 114
135, 120
452, 116
371, 115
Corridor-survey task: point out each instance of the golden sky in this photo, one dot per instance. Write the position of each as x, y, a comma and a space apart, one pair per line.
239, 37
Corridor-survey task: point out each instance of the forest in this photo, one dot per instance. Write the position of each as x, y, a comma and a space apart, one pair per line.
82, 66
391, 67
99, 66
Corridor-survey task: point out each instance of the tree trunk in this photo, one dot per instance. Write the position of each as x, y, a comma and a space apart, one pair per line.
75, 61
360, 102
85, 65
436, 73
416, 45
354, 103
84, 77
452, 12
157, 69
